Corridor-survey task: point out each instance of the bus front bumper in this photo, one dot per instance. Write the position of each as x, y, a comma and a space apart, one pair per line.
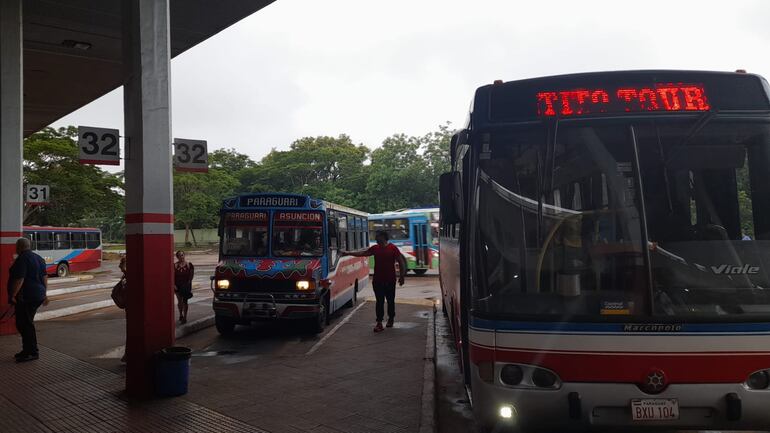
586, 405
259, 310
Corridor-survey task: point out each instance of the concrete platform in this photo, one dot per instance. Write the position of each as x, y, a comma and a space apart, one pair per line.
262, 379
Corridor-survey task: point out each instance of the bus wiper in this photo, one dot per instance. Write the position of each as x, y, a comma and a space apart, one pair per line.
699, 124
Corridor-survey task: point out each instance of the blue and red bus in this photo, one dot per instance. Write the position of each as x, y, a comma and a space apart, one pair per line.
605, 251
66, 249
279, 259
414, 232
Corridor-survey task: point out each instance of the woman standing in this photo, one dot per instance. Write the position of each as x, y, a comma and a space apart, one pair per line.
183, 276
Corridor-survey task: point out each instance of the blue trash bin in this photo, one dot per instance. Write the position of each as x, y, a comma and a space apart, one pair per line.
172, 371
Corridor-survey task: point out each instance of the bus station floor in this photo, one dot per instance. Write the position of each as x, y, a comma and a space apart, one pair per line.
261, 379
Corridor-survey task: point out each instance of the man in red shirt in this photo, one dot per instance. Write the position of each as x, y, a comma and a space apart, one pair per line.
384, 283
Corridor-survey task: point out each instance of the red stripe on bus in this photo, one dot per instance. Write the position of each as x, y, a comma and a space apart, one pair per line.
10, 234
632, 368
149, 218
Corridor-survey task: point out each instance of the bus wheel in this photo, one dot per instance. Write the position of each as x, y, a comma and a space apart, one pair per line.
225, 325
62, 270
420, 271
322, 319
352, 302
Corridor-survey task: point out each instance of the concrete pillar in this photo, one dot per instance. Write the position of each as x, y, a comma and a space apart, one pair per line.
149, 208
11, 127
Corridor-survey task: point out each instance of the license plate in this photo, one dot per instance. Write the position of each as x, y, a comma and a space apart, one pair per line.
654, 409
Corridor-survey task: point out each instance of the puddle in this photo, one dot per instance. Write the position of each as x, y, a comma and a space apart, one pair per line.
215, 353
423, 314
406, 325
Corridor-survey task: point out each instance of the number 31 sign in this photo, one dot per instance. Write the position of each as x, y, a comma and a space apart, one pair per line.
191, 155
98, 145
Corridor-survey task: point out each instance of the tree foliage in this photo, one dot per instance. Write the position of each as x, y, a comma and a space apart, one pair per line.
403, 172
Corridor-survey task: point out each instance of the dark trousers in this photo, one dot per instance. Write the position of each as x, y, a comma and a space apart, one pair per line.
383, 291
25, 317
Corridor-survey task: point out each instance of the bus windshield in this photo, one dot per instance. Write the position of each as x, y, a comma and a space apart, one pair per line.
661, 217
297, 234
245, 234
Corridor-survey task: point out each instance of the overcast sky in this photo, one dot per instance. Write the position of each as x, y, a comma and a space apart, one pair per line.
370, 69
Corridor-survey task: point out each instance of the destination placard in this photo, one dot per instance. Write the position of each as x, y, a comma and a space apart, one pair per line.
255, 217
304, 217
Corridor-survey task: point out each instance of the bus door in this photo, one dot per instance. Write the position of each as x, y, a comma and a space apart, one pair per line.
420, 232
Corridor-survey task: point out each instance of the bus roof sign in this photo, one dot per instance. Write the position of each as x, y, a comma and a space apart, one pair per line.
255, 201
619, 93
628, 99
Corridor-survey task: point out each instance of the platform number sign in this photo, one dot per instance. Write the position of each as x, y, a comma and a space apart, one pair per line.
191, 155
38, 194
99, 145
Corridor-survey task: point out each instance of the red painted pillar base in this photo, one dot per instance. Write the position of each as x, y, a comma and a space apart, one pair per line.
7, 251
150, 323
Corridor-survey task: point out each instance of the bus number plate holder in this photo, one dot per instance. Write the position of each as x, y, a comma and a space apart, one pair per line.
654, 409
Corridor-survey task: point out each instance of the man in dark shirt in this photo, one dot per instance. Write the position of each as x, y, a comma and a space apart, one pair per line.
27, 287
386, 255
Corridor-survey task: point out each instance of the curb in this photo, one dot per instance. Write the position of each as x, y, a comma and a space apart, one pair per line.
76, 289
68, 311
428, 415
55, 281
194, 326
181, 332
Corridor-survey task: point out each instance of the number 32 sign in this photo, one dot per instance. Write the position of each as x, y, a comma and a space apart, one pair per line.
98, 145
191, 155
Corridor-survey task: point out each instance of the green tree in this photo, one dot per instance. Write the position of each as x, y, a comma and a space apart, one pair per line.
80, 194
326, 167
198, 197
404, 171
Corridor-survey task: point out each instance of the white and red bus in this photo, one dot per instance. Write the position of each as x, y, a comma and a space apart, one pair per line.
66, 249
605, 251
279, 260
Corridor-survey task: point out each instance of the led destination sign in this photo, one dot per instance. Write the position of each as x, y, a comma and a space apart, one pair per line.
660, 97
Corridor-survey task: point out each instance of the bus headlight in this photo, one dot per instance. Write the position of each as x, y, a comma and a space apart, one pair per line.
223, 284
304, 285
507, 412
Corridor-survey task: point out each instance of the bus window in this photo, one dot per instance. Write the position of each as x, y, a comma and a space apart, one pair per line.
331, 225
62, 241
297, 234
78, 240
374, 225
44, 240
31, 236
93, 240
398, 229
245, 241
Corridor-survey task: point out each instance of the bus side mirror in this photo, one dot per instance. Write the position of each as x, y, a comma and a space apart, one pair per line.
450, 198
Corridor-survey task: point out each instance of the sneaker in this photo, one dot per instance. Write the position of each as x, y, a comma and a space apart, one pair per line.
378, 327
19, 355
390, 323
27, 357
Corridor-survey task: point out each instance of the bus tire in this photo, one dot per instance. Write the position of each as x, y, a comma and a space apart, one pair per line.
62, 270
420, 271
352, 302
225, 325
322, 319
